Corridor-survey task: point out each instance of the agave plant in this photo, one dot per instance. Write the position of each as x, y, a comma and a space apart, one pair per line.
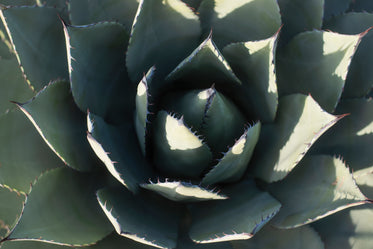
186, 124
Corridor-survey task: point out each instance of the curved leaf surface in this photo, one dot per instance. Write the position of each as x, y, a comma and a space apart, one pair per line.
240, 217
253, 63
318, 187
97, 66
37, 36
75, 219
83, 12
182, 191
269, 237
118, 149
141, 218
24, 155
316, 63
360, 77
349, 229
61, 124
299, 123
163, 33
11, 207
239, 21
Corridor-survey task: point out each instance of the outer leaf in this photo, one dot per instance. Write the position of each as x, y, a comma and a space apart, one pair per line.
352, 137
60, 5
163, 33
177, 150
335, 7
324, 186
253, 62
269, 238
17, 2
118, 149
98, 68
24, 155
239, 21
110, 242
37, 37
75, 219
316, 63
84, 12
360, 77
365, 183
240, 217
13, 85
234, 163
141, 218
299, 123
61, 124
182, 191
11, 206
362, 5
298, 16
349, 229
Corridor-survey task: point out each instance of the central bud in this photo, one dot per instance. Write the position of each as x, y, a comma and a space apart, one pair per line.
193, 131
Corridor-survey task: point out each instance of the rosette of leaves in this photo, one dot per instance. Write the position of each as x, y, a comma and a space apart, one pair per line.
186, 124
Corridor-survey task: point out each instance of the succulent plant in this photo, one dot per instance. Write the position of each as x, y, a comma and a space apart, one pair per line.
186, 124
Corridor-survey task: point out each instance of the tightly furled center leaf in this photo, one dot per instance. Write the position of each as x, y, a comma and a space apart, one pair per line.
202, 126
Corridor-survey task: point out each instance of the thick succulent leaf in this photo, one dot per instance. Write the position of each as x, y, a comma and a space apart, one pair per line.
202, 68
253, 62
62, 209
24, 155
239, 21
142, 108
299, 123
298, 16
185, 242
335, 7
360, 76
83, 12
59, 5
316, 63
349, 229
17, 2
209, 113
362, 5
240, 217
142, 218
352, 137
177, 150
110, 242
163, 33
365, 183
97, 65
318, 187
182, 191
234, 163
37, 37
6, 48
61, 124
269, 238
11, 207
118, 149
13, 85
